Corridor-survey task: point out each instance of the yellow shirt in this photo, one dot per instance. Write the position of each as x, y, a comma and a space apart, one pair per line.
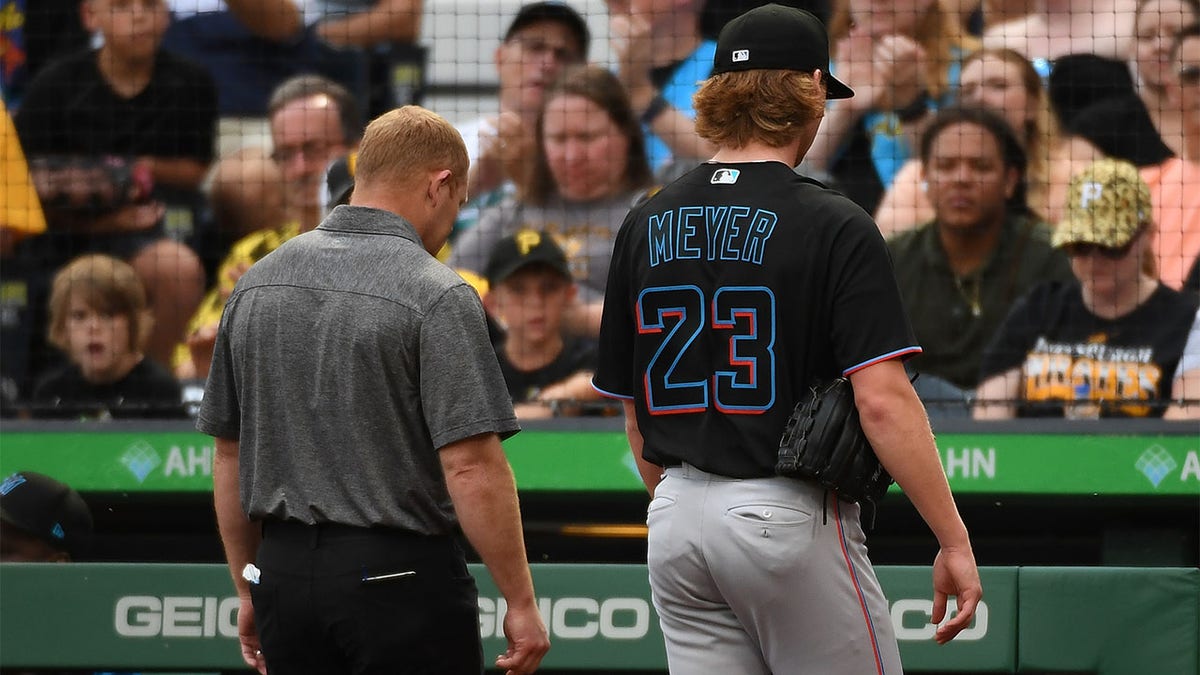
244, 253
20, 210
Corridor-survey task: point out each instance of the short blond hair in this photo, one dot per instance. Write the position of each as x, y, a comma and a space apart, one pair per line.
402, 144
768, 106
107, 285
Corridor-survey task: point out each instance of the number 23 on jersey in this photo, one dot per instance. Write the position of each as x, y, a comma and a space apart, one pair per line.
741, 380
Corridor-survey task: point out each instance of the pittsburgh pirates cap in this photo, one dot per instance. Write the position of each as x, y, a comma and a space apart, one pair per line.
526, 247
47, 509
1107, 204
775, 37
552, 10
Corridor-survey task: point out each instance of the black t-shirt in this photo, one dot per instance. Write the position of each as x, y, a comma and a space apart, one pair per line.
147, 391
731, 290
70, 109
1126, 365
577, 355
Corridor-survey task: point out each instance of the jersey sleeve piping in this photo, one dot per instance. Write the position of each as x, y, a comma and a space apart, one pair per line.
899, 353
609, 394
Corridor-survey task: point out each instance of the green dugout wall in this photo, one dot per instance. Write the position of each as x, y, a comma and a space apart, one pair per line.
1028, 489
1110, 621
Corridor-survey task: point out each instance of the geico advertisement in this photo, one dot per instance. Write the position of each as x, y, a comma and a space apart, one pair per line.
568, 618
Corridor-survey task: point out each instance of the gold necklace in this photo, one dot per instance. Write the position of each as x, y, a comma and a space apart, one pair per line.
969, 289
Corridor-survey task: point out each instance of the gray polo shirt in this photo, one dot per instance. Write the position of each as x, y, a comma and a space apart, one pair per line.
344, 360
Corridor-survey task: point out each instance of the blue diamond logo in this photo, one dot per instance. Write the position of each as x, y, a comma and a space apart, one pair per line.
140, 458
1155, 464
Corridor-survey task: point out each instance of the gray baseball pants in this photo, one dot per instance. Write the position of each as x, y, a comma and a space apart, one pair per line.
747, 578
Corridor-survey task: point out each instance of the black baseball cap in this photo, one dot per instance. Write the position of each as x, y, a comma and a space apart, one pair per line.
552, 10
526, 247
47, 509
775, 37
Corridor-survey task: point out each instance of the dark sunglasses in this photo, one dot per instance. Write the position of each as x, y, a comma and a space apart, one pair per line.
1110, 252
1189, 75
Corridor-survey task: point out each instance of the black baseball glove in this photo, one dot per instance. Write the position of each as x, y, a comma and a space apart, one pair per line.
824, 442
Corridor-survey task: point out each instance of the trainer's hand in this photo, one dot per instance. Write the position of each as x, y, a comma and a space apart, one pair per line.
248, 636
528, 641
954, 573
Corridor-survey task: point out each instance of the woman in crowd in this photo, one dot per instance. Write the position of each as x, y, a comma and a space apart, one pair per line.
1107, 344
902, 57
590, 166
1158, 23
1005, 81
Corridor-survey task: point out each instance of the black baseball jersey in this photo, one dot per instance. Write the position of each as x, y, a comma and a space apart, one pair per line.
730, 291
1125, 365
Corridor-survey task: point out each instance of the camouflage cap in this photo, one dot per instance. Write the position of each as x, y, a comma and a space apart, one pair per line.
1107, 204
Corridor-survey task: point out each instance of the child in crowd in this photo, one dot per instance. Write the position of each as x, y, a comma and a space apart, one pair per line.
119, 140
529, 290
100, 321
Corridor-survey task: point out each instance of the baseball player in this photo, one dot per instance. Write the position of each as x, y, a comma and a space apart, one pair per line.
731, 290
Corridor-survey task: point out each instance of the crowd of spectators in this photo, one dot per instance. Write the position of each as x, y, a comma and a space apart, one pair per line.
153, 150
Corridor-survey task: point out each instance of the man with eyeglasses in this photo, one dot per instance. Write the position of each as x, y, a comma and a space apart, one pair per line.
1109, 342
313, 122
542, 38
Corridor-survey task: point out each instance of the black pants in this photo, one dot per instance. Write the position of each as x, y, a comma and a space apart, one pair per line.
337, 599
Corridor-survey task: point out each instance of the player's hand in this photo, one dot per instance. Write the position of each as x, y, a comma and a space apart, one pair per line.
955, 573
528, 641
248, 636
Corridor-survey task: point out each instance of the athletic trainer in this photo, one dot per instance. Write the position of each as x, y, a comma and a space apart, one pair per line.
357, 403
731, 291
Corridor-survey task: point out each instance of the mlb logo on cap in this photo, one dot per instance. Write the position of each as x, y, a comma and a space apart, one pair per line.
782, 38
